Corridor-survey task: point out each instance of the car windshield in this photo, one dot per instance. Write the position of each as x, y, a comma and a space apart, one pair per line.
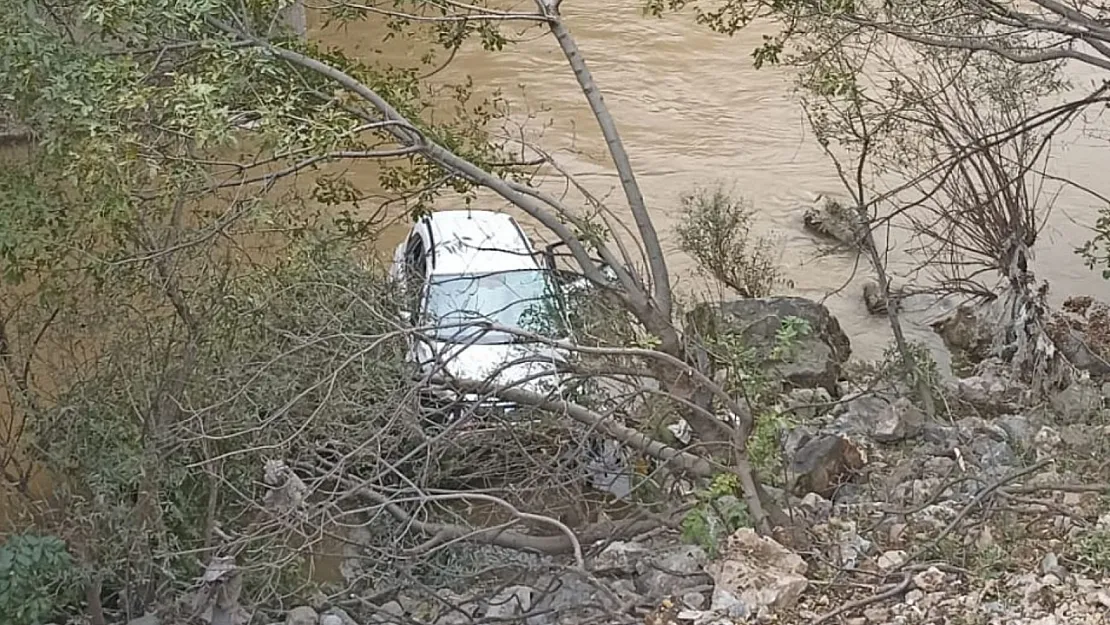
523, 299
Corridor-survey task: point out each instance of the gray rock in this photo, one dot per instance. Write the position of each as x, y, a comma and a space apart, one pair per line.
897, 421
146, 619
822, 463
813, 361
392, 608
808, 403
860, 414
876, 614
929, 580
1075, 345
964, 331
835, 220
390, 613
728, 604
992, 387
993, 456
672, 571
569, 598
456, 609
337, 616
511, 602
758, 571
1018, 429
694, 600
890, 560
1078, 401
302, 615
619, 556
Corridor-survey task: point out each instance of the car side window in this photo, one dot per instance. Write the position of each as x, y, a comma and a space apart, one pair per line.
414, 258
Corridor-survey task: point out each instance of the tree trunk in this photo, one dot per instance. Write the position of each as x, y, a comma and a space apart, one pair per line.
661, 284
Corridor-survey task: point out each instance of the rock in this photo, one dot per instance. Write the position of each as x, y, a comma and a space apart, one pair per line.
914, 596
929, 580
1018, 429
619, 556
815, 506
1050, 565
1081, 331
511, 602
390, 613
876, 614
1047, 442
727, 604
1102, 598
302, 615
874, 301
812, 360
1078, 401
569, 598
992, 387
392, 608
850, 547
890, 560
822, 463
993, 456
835, 220
873, 298
808, 403
694, 600
672, 571
759, 572
897, 421
337, 616
964, 331
146, 619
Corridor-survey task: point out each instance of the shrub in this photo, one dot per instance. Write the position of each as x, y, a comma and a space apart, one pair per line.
716, 229
37, 579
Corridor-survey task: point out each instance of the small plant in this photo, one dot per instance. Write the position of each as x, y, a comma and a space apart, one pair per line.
765, 446
920, 366
716, 230
37, 579
792, 330
991, 561
1093, 549
718, 513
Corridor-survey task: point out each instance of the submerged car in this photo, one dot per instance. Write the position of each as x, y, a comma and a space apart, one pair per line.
484, 308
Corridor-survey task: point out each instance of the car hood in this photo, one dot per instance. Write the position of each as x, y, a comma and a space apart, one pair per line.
509, 364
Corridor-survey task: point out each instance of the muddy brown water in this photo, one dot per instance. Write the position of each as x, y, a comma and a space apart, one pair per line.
693, 111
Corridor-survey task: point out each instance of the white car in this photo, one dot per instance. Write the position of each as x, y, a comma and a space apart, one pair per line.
463, 270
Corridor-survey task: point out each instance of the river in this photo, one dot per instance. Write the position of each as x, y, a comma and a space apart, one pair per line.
693, 111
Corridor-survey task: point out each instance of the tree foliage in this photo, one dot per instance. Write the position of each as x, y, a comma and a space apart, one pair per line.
195, 354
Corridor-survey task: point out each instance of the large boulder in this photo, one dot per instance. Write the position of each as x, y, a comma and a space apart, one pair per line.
812, 360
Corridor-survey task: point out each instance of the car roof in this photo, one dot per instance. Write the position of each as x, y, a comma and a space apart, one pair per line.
477, 241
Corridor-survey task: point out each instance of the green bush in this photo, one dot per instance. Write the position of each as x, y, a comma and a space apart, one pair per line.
38, 579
